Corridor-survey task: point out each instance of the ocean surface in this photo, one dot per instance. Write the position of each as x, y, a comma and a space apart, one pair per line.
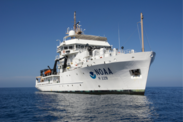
29, 104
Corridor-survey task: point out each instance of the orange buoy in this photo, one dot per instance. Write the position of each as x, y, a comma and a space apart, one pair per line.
47, 72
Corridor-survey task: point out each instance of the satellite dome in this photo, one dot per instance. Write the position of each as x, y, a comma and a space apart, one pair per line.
71, 32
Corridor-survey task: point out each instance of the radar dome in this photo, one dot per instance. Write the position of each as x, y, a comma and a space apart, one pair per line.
71, 32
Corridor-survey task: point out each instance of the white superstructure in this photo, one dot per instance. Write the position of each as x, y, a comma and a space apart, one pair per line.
88, 64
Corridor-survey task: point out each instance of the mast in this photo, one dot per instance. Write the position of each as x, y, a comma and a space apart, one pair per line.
142, 32
75, 21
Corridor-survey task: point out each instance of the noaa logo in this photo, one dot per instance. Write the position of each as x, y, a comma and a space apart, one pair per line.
103, 71
92, 75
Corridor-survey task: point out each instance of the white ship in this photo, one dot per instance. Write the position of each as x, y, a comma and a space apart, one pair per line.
89, 64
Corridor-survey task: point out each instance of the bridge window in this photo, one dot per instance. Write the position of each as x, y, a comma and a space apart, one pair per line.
70, 47
82, 46
109, 47
77, 46
65, 48
97, 47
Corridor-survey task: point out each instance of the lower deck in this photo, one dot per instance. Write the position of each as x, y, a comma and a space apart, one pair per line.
119, 77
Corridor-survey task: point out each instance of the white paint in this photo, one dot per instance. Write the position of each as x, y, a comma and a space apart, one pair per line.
119, 80
71, 32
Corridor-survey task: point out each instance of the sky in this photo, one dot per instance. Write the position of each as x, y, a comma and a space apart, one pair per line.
29, 30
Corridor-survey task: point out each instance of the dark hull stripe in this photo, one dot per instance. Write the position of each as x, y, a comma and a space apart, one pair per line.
103, 92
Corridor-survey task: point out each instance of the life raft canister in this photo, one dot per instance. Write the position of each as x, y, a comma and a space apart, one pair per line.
47, 72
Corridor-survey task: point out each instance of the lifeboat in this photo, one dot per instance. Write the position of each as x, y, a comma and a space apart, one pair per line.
47, 72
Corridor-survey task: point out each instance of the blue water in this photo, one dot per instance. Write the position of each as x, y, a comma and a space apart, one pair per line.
28, 104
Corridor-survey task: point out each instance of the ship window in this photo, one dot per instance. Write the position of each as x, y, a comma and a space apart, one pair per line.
78, 46
135, 72
61, 48
70, 47
109, 48
82, 46
97, 47
65, 47
68, 51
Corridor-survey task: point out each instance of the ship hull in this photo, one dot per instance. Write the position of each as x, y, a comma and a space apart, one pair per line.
111, 75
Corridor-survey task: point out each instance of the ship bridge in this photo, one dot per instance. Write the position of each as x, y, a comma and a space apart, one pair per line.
87, 37
79, 41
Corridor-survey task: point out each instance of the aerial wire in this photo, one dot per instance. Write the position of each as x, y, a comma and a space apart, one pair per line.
130, 36
139, 33
147, 40
118, 37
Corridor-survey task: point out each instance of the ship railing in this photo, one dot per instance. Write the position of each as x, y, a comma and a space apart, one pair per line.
80, 49
111, 53
59, 64
58, 49
56, 57
128, 51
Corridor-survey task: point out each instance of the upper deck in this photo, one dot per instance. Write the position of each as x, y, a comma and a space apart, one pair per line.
80, 41
84, 42
87, 37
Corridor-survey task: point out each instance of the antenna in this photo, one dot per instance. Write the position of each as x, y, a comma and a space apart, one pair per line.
75, 21
83, 31
58, 40
118, 37
68, 30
